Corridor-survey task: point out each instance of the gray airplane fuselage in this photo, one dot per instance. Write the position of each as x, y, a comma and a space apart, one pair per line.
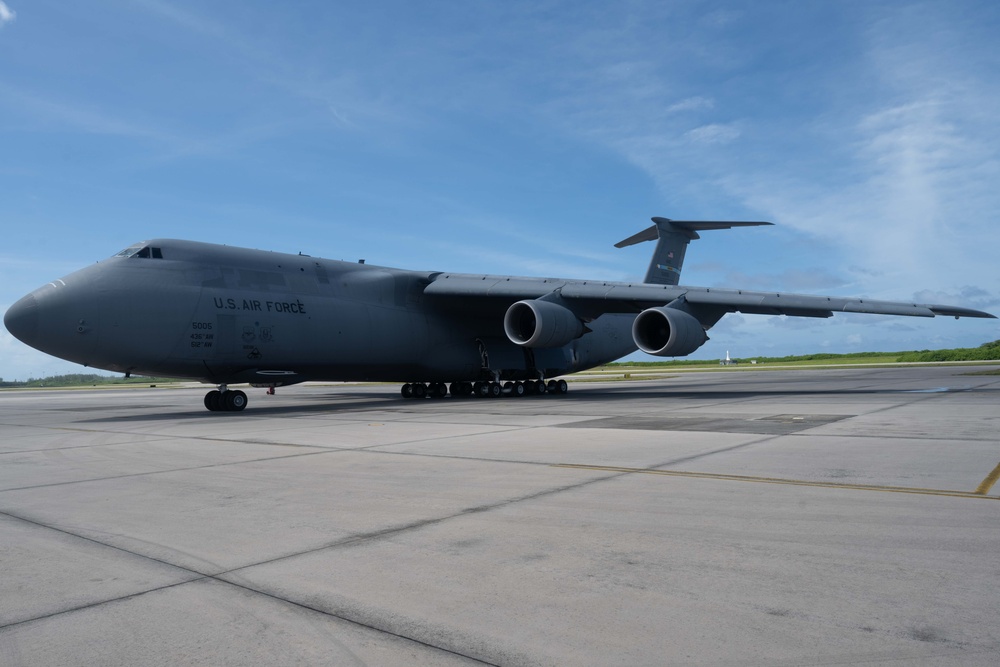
228, 315
224, 315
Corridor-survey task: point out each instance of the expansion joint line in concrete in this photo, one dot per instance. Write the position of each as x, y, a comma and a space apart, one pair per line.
977, 494
354, 539
219, 578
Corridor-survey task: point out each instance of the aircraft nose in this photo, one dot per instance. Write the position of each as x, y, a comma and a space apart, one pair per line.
21, 319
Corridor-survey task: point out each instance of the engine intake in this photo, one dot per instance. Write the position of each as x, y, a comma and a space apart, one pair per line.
536, 323
667, 332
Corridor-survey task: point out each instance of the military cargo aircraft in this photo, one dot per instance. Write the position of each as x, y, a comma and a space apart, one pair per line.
226, 315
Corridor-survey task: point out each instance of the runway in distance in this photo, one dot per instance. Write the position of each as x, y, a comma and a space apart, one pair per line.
225, 315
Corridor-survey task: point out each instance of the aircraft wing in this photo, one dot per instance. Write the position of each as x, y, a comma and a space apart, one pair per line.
597, 297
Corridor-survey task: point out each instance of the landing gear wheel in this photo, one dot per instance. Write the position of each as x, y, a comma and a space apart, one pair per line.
419, 390
562, 386
235, 401
406, 391
540, 387
439, 390
213, 400
495, 390
517, 390
482, 389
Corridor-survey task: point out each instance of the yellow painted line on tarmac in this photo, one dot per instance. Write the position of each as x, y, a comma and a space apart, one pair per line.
988, 483
978, 494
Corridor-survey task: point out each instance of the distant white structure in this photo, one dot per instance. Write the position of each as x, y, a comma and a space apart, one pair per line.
727, 361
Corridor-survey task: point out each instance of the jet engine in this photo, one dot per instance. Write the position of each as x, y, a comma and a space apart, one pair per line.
537, 323
667, 332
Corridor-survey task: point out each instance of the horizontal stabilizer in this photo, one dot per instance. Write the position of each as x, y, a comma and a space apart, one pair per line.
692, 226
672, 237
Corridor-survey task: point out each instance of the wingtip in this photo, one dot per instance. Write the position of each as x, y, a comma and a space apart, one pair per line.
957, 312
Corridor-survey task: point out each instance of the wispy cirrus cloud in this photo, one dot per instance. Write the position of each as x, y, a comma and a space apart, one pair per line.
888, 155
696, 103
713, 133
907, 186
7, 15
343, 94
80, 116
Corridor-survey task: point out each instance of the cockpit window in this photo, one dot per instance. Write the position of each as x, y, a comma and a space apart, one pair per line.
142, 251
129, 251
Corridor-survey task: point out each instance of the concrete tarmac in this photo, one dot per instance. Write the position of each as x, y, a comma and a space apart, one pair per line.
811, 517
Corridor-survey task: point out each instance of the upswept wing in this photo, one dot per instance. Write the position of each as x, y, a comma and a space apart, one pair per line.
597, 297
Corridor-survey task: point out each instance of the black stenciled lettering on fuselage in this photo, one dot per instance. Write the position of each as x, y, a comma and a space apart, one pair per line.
295, 307
254, 305
201, 338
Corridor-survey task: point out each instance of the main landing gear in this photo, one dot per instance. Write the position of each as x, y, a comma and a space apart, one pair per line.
225, 400
483, 389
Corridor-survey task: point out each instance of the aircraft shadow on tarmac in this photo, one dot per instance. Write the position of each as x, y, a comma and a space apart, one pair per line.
257, 410
334, 402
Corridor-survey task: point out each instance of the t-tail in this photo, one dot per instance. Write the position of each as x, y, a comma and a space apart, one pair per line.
672, 237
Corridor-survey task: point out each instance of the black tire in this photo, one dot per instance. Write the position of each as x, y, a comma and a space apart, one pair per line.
540, 387
562, 386
235, 401
213, 400
406, 391
495, 389
518, 390
419, 390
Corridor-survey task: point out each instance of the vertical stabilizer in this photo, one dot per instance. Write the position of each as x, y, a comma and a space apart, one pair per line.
672, 238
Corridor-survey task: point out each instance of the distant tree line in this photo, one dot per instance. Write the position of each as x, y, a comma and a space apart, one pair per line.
76, 380
985, 352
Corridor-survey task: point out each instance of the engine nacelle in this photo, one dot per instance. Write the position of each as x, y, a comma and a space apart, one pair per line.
536, 323
667, 332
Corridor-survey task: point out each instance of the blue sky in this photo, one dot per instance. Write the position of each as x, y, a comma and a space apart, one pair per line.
523, 138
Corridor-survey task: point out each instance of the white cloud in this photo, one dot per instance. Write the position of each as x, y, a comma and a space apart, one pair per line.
7, 15
967, 295
697, 103
906, 185
20, 362
891, 162
713, 133
794, 280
